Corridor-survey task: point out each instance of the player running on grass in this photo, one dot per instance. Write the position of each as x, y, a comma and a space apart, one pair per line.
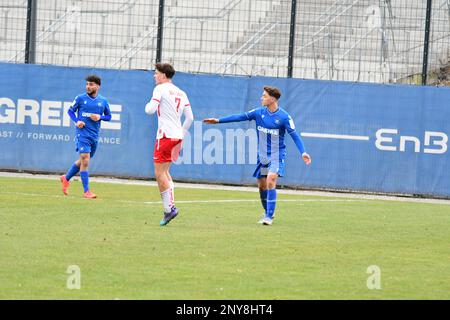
272, 122
169, 102
91, 108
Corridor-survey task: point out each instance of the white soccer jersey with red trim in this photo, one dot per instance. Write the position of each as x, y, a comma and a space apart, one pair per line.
172, 102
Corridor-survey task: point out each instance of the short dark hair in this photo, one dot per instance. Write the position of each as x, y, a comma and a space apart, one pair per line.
165, 68
273, 92
94, 78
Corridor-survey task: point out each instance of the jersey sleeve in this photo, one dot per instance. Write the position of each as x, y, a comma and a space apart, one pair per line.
251, 115
72, 109
289, 125
157, 94
186, 103
106, 116
246, 116
153, 104
290, 128
188, 118
75, 104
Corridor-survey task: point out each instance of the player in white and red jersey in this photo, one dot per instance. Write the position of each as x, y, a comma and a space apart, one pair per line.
170, 103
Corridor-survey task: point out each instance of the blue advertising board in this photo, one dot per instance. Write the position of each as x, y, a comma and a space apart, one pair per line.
363, 137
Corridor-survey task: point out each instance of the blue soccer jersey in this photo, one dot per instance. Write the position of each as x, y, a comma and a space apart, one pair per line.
271, 128
84, 106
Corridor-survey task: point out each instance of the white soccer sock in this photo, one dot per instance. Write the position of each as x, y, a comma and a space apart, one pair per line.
172, 187
166, 197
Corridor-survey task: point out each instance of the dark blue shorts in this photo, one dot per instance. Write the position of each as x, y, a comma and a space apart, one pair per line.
262, 170
86, 145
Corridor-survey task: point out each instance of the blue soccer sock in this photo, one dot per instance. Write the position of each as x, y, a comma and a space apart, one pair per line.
271, 202
72, 171
85, 180
263, 196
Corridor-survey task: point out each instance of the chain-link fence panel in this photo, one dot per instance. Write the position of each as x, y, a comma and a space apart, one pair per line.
13, 25
378, 41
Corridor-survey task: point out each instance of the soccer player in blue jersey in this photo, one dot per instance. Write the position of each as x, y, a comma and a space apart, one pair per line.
86, 112
272, 122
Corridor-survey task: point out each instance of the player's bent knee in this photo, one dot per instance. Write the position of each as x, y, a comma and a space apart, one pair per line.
262, 186
271, 185
160, 174
271, 181
84, 159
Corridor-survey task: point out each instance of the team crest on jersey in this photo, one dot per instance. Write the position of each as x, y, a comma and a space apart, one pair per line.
277, 121
99, 104
85, 102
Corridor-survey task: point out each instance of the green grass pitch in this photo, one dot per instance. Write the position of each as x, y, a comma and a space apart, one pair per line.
317, 248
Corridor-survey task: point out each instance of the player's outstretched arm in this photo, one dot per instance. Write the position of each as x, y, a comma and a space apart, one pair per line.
211, 120
233, 118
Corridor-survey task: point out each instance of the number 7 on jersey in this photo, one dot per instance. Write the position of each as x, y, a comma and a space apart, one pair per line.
178, 101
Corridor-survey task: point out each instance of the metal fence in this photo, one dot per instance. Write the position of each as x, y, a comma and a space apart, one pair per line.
383, 41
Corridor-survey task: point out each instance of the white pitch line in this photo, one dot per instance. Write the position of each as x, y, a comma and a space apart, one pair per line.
186, 201
256, 200
35, 194
252, 189
334, 136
